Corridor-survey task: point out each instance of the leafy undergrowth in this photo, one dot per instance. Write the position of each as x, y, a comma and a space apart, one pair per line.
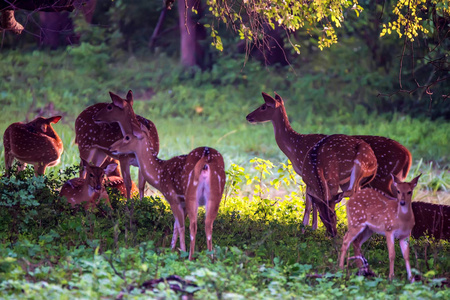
261, 249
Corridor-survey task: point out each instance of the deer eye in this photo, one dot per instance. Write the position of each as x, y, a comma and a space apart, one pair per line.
263, 107
409, 193
398, 192
127, 138
109, 107
90, 175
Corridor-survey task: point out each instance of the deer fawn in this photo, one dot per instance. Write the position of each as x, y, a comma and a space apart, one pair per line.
337, 161
391, 156
90, 190
186, 181
370, 211
35, 143
95, 137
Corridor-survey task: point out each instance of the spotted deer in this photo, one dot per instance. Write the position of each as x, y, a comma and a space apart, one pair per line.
186, 182
337, 162
88, 191
370, 211
35, 143
95, 137
391, 156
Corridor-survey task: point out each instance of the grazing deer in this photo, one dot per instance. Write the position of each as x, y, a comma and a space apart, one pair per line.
94, 138
35, 143
90, 190
186, 181
391, 156
337, 161
370, 211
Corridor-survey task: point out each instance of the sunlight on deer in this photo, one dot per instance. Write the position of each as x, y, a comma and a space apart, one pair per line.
391, 156
186, 181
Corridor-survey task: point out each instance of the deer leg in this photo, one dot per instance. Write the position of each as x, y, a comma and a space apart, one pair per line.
357, 243
141, 185
404, 245
391, 249
308, 206
9, 159
192, 212
178, 228
39, 169
125, 168
314, 219
350, 236
212, 208
327, 215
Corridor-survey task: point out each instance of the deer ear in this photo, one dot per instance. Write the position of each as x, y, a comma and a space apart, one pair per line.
415, 180
395, 180
116, 100
278, 98
110, 168
139, 132
54, 119
130, 97
269, 100
84, 163
136, 128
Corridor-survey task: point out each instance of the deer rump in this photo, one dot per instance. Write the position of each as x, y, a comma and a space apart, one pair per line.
199, 180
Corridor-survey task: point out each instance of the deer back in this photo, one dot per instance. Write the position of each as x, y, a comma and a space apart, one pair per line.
369, 206
392, 158
89, 134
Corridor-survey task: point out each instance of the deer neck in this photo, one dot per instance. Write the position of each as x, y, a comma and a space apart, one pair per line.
150, 166
405, 214
288, 140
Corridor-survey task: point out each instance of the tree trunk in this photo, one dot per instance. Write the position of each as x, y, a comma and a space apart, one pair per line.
188, 36
57, 27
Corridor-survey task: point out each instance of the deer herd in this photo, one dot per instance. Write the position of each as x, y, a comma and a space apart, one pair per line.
370, 170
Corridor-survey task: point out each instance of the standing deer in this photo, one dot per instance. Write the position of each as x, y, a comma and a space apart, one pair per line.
90, 190
370, 211
186, 181
94, 138
35, 143
337, 161
391, 156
